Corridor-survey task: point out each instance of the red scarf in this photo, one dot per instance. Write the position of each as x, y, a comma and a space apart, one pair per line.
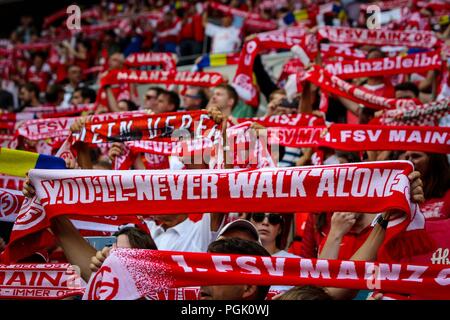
133, 273
60, 127
413, 63
333, 51
163, 59
365, 137
10, 203
147, 127
374, 187
379, 37
290, 190
335, 85
201, 79
278, 39
39, 281
9, 182
287, 120
427, 114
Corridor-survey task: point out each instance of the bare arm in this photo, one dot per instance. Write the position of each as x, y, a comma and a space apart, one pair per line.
76, 249
112, 102
351, 106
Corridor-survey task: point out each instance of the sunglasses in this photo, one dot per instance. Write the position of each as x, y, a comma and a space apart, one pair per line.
274, 219
148, 97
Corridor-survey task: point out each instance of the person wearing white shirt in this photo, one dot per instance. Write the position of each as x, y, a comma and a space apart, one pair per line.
225, 38
179, 233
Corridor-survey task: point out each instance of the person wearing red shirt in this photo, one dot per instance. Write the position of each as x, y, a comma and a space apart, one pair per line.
39, 73
192, 33
167, 31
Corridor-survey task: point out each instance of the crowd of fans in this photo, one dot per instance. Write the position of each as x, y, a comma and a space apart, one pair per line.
68, 71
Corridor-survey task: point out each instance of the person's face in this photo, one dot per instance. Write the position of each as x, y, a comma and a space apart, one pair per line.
77, 98
122, 105
191, 100
123, 241
226, 21
276, 98
74, 74
163, 104
25, 96
151, 100
404, 94
221, 98
38, 62
419, 159
116, 62
268, 226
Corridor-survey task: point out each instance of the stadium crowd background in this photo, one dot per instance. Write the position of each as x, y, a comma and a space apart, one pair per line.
49, 65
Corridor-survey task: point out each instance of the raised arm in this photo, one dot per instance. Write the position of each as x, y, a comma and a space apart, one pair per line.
76, 249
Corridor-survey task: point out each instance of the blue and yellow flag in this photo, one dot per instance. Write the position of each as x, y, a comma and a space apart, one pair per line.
218, 60
17, 162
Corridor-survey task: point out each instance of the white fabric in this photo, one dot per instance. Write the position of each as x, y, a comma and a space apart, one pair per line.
224, 40
187, 236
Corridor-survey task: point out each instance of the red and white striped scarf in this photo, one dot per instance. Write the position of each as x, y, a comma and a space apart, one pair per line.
163, 59
278, 39
379, 37
39, 281
132, 273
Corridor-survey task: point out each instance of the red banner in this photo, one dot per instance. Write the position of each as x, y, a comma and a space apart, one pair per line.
132, 274
414, 63
379, 37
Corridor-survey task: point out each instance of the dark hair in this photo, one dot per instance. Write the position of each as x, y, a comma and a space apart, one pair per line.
51, 96
231, 93
436, 181
376, 50
174, 98
138, 238
306, 293
244, 247
408, 86
351, 157
157, 89
131, 105
203, 98
32, 87
87, 93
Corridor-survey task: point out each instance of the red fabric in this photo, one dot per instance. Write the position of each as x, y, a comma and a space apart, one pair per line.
155, 161
349, 137
40, 78
413, 63
437, 208
202, 79
416, 115
278, 39
313, 237
177, 269
381, 37
167, 27
351, 242
334, 85
163, 59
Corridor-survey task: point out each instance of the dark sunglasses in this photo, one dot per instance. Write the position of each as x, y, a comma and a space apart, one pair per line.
150, 97
274, 219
